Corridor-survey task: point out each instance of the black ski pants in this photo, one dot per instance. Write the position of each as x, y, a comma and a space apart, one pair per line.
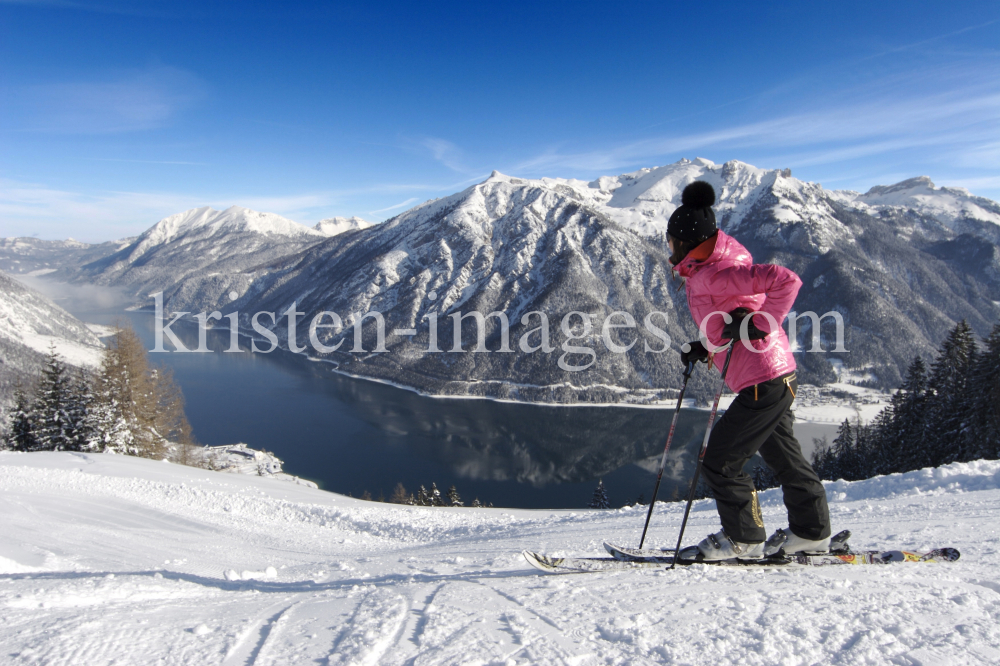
760, 419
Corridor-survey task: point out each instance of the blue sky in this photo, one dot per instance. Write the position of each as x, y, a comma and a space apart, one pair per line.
116, 114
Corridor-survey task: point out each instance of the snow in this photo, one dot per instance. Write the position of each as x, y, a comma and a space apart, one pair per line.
28, 318
72, 352
234, 218
946, 204
109, 559
100, 330
332, 226
241, 459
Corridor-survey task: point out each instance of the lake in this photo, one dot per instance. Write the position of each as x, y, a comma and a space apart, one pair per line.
352, 435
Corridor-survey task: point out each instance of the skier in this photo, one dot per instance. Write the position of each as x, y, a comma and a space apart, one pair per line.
723, 283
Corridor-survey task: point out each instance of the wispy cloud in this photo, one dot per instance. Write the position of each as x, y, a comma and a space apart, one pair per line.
963, 116
404, 204
445, 152
924, 42
55, 213
127, 102
51, 212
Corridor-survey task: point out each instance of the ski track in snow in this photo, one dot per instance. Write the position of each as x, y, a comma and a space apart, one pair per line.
114, 560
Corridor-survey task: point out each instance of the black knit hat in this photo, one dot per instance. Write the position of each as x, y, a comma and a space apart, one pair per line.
694, 220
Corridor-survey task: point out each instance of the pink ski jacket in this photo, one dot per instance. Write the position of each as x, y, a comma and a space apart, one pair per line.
728, 279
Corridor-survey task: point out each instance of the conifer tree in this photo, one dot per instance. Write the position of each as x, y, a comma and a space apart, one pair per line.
600, 498
880, 457
423, 497
54, 428
435, 498
842, 450
22, 427
949, 412
453, 497
985, 395
906, 441
823, 461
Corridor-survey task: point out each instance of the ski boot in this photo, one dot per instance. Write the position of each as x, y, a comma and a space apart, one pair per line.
717, 547
784, 542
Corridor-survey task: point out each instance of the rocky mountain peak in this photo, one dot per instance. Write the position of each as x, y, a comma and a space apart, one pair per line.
332, 226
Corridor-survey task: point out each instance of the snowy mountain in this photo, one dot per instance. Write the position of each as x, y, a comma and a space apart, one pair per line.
900, 276
505, 245
115, 559
31, 255
901, 263
949, 205
199, 256
29, 325
332, 226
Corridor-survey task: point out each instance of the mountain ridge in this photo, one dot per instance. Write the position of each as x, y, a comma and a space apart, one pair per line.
902, 263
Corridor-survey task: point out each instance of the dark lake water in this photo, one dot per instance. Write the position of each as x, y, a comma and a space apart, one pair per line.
352, 435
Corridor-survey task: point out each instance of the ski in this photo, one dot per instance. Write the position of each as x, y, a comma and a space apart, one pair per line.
874, 557
587, 564
838, 545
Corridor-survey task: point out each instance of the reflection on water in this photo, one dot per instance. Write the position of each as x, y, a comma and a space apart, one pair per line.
352, 435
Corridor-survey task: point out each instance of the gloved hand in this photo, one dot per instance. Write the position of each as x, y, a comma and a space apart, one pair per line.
697, 353
731, 331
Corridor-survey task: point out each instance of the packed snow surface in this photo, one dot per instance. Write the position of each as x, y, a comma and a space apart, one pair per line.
108, 559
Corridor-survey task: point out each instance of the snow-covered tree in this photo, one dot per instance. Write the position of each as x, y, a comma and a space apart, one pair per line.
54, 427
423, 497
435, 498
600, 498
453, 497
22, 428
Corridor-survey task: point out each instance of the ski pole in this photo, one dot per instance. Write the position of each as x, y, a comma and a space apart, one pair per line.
663, 460
701, 455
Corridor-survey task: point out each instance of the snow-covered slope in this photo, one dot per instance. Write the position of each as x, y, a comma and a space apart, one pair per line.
199, 256
30, 325
109, 559
643, 200
332, 226
945, 204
